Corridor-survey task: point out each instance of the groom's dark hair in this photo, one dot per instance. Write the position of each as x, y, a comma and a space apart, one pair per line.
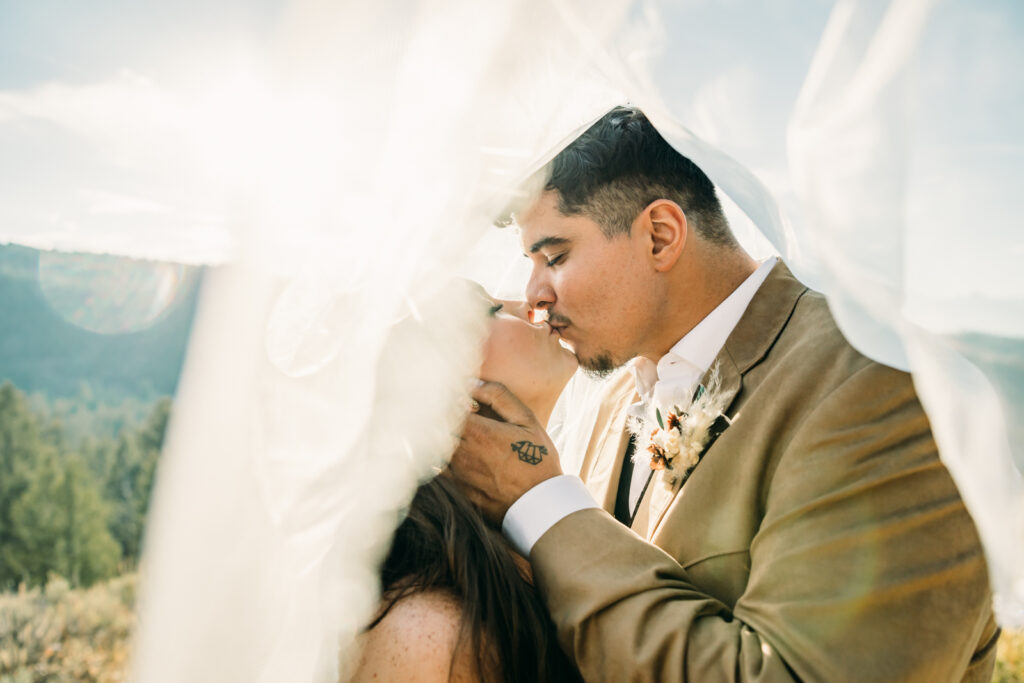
621, 164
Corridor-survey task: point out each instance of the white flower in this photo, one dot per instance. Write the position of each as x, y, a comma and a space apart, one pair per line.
668, 440
674, 438
690, 456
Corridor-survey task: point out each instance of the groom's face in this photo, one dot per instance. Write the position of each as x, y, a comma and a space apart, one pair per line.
592, 286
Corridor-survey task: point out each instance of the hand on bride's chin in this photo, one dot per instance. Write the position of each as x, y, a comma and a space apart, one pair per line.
537, 391
481, 464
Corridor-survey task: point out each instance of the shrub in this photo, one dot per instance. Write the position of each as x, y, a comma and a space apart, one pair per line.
1010, 658
59, 634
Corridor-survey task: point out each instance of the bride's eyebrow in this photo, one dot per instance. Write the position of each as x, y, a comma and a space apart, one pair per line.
547, 242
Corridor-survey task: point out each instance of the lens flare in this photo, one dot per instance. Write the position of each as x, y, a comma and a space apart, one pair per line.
108, 294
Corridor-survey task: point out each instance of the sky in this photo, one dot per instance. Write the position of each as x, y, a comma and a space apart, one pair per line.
129, 127
99, 111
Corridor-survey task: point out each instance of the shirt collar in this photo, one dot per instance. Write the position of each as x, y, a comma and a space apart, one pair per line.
692, 355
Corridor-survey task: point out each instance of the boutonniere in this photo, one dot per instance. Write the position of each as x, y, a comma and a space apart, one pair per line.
674, 434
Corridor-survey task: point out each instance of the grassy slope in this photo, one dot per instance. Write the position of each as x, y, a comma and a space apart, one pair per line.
57, 634
1010, 658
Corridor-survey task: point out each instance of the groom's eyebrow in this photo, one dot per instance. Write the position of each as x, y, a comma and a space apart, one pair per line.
546, 242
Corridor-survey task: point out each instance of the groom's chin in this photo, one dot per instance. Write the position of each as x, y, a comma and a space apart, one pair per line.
599, 366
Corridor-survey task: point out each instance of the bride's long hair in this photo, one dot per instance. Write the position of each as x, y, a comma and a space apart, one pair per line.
444, 544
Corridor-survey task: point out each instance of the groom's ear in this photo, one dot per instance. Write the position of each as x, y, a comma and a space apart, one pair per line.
666, 224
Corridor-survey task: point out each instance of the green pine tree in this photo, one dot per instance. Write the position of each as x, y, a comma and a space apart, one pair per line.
20, 445
122, 492
151, 440
61, 521
130, 477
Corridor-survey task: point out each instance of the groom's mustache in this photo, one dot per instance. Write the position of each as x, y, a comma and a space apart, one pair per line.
558, 320
538, 315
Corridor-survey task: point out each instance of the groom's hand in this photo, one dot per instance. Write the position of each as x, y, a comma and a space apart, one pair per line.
501, 459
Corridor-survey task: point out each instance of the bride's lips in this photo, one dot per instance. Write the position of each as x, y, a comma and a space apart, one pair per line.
541, 326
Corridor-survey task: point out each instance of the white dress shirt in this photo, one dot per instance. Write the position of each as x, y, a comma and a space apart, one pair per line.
678, 371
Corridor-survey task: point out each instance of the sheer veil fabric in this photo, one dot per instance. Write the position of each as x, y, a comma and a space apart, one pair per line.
874, 145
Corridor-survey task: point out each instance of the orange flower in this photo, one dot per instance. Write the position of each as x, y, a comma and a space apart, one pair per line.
659, 461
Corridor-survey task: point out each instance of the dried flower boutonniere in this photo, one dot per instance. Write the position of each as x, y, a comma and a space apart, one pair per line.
675, 434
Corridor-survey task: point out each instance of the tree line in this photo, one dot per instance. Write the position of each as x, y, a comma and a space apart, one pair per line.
70, 504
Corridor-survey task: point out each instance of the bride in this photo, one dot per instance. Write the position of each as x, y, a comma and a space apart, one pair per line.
458, 603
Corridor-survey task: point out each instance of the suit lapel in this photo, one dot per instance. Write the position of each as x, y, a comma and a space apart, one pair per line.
749, 342
603, 462
659, 492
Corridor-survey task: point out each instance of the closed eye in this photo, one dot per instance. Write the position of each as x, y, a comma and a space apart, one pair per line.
556, 260
493, 310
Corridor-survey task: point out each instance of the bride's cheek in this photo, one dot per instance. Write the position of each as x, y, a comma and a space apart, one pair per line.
489, 354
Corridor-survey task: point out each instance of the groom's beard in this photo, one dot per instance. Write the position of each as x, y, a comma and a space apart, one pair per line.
599, 366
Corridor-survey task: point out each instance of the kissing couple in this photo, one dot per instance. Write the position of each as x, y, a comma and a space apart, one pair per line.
758, 500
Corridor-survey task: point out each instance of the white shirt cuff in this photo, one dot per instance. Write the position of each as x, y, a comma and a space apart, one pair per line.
542, 507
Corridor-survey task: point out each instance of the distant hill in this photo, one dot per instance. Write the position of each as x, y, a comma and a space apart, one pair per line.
42, 350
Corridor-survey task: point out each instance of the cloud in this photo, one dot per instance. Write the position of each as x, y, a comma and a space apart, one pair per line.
109, 167
103, 202
127, 117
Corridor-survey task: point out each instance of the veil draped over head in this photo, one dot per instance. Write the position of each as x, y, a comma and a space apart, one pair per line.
873, 145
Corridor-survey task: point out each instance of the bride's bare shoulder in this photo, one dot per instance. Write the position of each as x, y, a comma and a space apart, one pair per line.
415, 641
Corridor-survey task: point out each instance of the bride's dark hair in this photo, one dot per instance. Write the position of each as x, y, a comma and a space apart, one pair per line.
445, 545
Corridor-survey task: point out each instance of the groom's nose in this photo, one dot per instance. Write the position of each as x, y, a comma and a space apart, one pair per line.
539, 293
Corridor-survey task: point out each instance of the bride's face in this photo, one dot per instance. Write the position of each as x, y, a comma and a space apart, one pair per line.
524, 356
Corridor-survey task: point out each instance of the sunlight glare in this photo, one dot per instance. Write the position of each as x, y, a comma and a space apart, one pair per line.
108, 294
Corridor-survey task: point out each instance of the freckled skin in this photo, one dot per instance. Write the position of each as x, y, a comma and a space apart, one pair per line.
415, 642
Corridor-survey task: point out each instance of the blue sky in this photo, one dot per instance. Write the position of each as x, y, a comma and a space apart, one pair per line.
49, 40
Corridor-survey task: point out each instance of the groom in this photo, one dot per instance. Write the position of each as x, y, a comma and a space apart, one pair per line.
817, 538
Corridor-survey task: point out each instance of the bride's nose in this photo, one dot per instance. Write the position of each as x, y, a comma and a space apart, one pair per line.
520, 309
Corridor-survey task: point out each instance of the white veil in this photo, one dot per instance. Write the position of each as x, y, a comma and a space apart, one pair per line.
873, 145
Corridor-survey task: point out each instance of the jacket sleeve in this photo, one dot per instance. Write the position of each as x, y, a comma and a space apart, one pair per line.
866, 566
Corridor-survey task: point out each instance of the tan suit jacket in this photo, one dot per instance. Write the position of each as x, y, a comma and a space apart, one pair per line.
819, 539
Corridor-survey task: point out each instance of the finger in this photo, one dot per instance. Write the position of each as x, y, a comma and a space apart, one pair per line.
466, 480
484, 438
483, 428
474, 494
467, 430
466, 460
448, 474
503, 402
